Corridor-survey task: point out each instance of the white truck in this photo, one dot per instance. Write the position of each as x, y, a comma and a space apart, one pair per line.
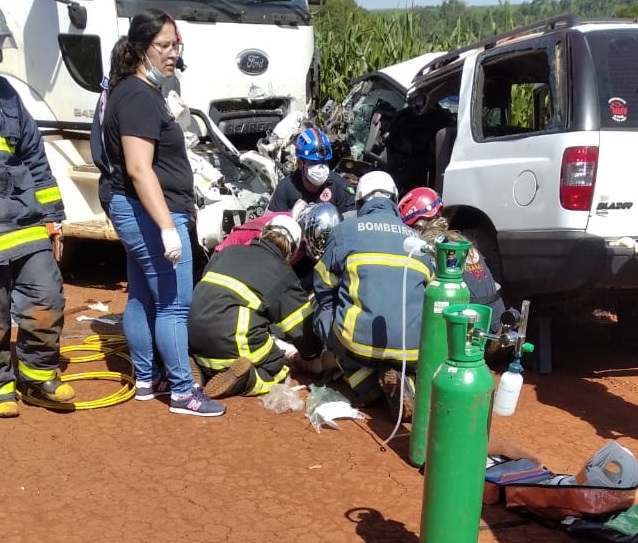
250, 64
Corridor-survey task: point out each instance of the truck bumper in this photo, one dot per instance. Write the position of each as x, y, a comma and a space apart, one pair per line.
99, 229
540, 263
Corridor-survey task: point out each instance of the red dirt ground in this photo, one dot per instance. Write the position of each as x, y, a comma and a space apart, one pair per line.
136, 473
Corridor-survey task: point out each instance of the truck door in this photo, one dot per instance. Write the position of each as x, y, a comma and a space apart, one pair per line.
63, 51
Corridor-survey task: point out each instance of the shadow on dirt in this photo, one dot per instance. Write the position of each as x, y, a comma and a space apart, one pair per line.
96, 264
586, 357
381, 426
503, 524
372, 526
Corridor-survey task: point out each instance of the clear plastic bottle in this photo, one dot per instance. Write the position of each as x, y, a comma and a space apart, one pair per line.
509, 389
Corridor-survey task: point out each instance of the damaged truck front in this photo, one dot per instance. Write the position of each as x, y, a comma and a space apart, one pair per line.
238, 84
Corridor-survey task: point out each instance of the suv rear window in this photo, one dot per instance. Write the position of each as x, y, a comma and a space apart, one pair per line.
615, 55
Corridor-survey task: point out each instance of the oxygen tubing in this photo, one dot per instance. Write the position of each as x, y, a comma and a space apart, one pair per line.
404, 359
102, 346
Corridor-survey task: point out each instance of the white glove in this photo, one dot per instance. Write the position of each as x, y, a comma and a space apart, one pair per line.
172, 245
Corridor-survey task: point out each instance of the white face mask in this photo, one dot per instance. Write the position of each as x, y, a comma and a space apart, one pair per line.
154, 75
317, 174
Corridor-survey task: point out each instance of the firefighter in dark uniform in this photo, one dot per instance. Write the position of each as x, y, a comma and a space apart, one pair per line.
358, 289
245, 290
313, 181
31, 287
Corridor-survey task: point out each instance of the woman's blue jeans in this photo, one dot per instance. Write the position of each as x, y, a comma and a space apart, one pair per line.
159, 297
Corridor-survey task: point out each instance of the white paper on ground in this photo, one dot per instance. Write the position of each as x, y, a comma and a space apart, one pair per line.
105, 320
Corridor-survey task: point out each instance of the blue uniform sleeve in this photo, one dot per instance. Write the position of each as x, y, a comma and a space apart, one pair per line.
30, 150
326, 279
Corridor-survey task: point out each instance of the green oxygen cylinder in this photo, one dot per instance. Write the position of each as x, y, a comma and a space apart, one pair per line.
462, 392
445, 289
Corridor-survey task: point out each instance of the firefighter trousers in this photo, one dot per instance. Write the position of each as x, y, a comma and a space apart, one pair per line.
31, 291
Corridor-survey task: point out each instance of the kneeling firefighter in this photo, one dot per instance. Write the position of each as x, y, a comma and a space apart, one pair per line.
358, 284
31, 287
245, 290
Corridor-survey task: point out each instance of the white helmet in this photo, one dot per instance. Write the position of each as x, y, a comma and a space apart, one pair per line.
288, 227
373, 184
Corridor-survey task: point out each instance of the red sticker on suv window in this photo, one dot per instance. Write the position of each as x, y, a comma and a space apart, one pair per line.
618, 108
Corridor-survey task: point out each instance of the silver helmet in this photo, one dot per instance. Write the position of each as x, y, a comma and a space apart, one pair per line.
317, 222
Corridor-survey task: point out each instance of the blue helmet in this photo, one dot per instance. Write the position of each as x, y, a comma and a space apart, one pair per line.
313, 145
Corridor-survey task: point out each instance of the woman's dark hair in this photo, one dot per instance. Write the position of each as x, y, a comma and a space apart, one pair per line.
129, 50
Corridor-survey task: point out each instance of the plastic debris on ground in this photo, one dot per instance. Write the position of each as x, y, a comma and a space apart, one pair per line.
282, 398
99, 306
324, 405
626, 523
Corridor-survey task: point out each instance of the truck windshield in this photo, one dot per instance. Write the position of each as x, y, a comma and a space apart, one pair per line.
220, 11
615, 55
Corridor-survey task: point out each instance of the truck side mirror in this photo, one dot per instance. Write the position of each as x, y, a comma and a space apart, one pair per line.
77, 14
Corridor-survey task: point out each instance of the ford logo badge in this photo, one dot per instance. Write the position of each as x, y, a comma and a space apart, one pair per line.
252, 62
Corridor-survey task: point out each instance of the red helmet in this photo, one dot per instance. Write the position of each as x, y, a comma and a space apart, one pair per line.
419, 203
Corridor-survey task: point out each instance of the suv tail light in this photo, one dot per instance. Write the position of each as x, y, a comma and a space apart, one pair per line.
578, 177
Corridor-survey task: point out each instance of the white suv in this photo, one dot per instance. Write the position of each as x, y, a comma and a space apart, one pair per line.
531, 137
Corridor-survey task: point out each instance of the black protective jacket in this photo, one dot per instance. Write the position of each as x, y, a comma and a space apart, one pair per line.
243, 291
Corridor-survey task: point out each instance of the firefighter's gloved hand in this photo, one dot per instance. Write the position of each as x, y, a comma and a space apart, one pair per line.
54, 229
172, 245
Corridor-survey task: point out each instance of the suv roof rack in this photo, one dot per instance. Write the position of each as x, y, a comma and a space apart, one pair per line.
553, 23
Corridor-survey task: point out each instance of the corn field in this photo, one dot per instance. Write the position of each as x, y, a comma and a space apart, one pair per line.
350, 50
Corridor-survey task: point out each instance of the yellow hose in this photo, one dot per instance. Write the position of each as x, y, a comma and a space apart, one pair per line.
103, 346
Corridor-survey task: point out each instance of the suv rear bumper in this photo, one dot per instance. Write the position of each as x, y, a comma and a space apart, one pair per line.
538, 263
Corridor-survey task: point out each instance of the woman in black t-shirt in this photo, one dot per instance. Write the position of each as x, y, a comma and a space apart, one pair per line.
151, 204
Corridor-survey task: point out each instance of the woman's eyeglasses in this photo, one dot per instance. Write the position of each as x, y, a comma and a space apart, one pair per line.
165, 47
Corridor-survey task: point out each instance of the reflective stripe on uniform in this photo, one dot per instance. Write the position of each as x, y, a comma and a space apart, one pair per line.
20, 237
6, 146
35, 375
350, 319
359, 376
255, 356
371, 352
241, 338
243, 323
236, 286
328, 278
295, 318
263, 387
48, 195
8, 388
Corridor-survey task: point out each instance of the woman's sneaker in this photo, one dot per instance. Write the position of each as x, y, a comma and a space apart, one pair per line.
148, 391
196, 403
